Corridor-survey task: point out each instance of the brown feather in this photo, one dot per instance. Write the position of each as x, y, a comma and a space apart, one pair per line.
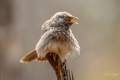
30, 56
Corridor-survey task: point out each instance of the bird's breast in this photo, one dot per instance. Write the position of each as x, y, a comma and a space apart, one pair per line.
60, 44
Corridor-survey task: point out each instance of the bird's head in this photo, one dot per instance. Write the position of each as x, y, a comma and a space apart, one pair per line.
64, 19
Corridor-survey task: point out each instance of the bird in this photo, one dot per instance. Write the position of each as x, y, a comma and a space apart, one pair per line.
57, 37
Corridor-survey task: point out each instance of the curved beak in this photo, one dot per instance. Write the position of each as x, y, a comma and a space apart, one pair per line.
74, 20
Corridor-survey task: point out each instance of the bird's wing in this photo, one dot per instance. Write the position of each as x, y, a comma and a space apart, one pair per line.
44, 41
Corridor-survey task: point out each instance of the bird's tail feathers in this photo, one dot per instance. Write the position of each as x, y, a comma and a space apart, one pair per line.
30, 56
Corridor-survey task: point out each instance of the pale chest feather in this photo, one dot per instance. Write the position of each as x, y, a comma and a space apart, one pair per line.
60, 42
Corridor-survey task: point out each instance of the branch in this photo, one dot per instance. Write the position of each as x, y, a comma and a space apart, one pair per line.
59, 67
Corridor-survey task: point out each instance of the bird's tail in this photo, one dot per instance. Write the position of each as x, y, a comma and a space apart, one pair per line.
30, 56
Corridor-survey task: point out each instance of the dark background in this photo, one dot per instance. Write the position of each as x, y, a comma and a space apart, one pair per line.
98, 34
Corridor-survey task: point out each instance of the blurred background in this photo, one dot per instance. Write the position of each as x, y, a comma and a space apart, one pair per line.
98, 34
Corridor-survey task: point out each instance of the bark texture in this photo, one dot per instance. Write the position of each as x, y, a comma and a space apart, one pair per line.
60, 68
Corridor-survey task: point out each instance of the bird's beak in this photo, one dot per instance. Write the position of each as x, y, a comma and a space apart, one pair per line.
74, 20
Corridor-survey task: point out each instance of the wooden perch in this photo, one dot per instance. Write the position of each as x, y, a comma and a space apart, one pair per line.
59, 67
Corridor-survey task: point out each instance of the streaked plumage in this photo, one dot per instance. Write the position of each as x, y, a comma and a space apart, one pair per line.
57, 37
